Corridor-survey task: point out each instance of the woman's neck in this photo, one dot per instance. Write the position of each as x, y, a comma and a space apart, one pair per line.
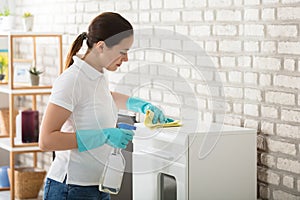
91, 58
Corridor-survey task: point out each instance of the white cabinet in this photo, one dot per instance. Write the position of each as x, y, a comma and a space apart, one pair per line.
213, 162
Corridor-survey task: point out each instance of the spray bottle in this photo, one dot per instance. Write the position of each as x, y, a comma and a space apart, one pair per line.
112, 176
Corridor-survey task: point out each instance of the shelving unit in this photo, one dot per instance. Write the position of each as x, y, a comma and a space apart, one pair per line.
8, 142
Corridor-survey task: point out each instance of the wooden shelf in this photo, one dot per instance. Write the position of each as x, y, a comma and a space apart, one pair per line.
21, 33
13, 89
5, 144
25, 90
4, 188
11, 36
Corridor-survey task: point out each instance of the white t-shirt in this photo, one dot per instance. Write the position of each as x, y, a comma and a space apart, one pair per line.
84, 91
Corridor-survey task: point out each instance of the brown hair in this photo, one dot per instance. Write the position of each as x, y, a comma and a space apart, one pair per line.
108, 27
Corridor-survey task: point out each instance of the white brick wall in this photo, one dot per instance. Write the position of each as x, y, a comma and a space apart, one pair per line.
282, 147
254, 30
269, 112
268, 47
264, 63
280, 98
282, 30
279, 195
269, 176
265, 79
208, 15
227, 61
170, 16
270, 1
253, 94
290, 115
251, 2
289, 48
251, 46
250, 78
219, 3
255, 45
287, 81
192, 16
251, 109
268, 160
288, 13
288, 165
268, 14
288, 131
229, 15
267, 127
230, 46
173, 4
235, 77
228, 30
199, 31
290, 65
194, 4
251, 14
231, 92
288, 181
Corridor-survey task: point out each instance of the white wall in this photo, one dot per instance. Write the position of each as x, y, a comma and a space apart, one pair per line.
255, 48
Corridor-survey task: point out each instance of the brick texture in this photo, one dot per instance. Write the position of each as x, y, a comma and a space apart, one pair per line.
253, 46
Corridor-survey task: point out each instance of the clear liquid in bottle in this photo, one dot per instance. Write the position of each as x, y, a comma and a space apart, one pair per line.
112, 175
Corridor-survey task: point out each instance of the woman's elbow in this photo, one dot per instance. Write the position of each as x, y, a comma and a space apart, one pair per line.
43, 144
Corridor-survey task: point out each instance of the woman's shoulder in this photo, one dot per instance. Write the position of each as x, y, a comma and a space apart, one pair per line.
69, 74
69, 78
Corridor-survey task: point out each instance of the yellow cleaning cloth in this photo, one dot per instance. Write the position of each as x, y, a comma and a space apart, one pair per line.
148, 122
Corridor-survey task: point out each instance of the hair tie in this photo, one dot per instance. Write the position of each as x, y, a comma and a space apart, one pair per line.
83, 35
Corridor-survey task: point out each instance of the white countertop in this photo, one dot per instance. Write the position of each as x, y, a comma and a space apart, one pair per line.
180, 134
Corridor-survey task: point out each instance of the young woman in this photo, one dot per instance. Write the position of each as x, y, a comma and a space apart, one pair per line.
80, 119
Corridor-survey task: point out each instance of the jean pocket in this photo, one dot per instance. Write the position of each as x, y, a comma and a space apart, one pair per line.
46, 188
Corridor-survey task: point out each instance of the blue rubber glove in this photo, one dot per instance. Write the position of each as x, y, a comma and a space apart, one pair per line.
90, 139
118, 138
139, 105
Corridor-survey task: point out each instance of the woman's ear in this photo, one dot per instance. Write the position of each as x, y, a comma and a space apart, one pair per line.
99, 46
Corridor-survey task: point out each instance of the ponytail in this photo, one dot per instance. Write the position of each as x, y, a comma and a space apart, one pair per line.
76, 46
108, 27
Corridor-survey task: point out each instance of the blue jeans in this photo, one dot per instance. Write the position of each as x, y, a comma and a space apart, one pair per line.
61, 191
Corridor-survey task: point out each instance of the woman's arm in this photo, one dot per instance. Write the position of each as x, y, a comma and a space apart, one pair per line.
51, 139
120, 99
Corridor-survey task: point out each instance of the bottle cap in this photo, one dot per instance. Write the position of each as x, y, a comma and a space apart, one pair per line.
126, 126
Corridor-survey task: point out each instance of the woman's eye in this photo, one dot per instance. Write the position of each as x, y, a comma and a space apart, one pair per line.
123, 53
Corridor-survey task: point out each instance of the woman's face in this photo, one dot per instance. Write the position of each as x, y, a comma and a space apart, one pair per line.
114, 56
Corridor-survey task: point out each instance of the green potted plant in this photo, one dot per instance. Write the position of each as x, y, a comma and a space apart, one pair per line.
27, 21
6, 19
3, 66
35, 75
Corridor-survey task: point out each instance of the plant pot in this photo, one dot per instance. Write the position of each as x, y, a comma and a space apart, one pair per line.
34, 79
2, 76
6, 23
28, 23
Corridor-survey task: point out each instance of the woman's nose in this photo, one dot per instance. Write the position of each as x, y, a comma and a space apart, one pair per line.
125, 57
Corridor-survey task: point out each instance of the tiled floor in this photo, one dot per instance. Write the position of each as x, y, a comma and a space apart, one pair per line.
5, 195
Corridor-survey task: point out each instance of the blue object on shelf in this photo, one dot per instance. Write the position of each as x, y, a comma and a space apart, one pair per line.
4, 182
126, 126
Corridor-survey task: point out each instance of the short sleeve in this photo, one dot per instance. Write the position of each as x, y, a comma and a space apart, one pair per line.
65, 91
